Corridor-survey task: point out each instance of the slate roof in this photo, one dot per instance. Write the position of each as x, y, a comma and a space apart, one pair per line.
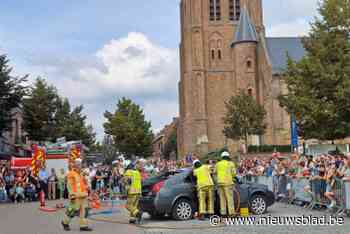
246, 31
278, 47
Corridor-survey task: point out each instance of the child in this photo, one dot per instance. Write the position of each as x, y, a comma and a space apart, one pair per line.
19, 196
12, 193
3, 194
30, 192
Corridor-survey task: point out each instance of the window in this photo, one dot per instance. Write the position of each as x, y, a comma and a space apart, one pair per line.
249, 64
212, 54
235, 10
250, 92
214, 10
219, 54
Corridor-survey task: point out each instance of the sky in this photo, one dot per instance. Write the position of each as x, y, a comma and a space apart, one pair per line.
97, 51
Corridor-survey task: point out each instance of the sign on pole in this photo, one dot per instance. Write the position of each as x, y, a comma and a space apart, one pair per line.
294, 133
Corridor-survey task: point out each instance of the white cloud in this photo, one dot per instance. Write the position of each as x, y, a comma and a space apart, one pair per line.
289, 17
131, 66
134, 66
299, 27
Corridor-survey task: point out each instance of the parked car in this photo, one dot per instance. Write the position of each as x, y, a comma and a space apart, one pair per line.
174, 194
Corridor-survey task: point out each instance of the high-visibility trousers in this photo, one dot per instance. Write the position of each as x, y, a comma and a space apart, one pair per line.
74, 205
132, 204
206, 200
226, 200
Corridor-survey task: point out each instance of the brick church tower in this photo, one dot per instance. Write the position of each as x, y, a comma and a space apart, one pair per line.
222, 50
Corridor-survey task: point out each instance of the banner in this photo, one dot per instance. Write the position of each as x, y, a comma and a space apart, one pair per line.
20, 163
294, 132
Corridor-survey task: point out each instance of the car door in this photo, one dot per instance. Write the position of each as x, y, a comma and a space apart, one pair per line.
243, 190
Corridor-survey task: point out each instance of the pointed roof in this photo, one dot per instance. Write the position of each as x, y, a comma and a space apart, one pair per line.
246, 31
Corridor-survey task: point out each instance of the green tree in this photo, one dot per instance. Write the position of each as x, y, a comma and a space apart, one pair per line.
39, 111
319, 84
108, 149
244, 117
74, 126
62, 116
131, 133
12, 90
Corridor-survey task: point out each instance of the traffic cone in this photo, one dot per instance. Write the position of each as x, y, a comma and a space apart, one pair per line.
42, 198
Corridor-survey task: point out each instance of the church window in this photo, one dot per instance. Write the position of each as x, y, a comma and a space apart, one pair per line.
235, 10
214, 10
212, 54
219, 54
250, 92
249, 64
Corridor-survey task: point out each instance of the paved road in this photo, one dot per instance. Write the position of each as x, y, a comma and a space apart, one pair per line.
27, 219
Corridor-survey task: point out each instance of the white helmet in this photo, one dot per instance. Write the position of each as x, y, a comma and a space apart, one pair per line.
225, 154
78, 161
195, 161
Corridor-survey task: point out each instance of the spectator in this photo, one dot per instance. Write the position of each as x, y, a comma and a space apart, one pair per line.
30, 192
61, 180
52, 185
19, 193
330, 180
12, 194
92, 175
43, 180
3, 193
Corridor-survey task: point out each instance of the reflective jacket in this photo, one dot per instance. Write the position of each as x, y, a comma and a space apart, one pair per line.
135, 177
225, 171
76, 184
203, 176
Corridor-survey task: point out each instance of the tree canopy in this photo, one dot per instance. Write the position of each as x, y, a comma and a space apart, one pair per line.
244, 117
39, 111
47, 116
131, 133
12, 90
319, 84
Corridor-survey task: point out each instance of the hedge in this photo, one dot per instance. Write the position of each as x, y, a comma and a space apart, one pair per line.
269, 148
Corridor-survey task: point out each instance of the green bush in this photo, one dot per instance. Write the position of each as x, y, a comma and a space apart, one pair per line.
269, 148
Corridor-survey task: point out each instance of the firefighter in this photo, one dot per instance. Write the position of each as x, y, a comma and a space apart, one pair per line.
132, 178
225, 172
205, 187
78, 194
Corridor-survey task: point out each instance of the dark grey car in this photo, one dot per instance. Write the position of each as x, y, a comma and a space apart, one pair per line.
174, 194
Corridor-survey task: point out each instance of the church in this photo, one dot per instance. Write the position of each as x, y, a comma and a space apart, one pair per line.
224, 49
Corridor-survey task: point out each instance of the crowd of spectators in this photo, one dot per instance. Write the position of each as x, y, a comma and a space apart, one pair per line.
17, 185
21, 185
324, 168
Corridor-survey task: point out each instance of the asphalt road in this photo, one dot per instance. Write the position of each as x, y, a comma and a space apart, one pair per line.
27, 219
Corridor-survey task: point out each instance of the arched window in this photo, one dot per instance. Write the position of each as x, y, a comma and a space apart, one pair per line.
235, 10
249, 64
250, 92
214, 10
219, 54
212, 54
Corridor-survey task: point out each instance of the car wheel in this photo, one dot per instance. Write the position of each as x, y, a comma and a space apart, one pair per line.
258, 204
182, 210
